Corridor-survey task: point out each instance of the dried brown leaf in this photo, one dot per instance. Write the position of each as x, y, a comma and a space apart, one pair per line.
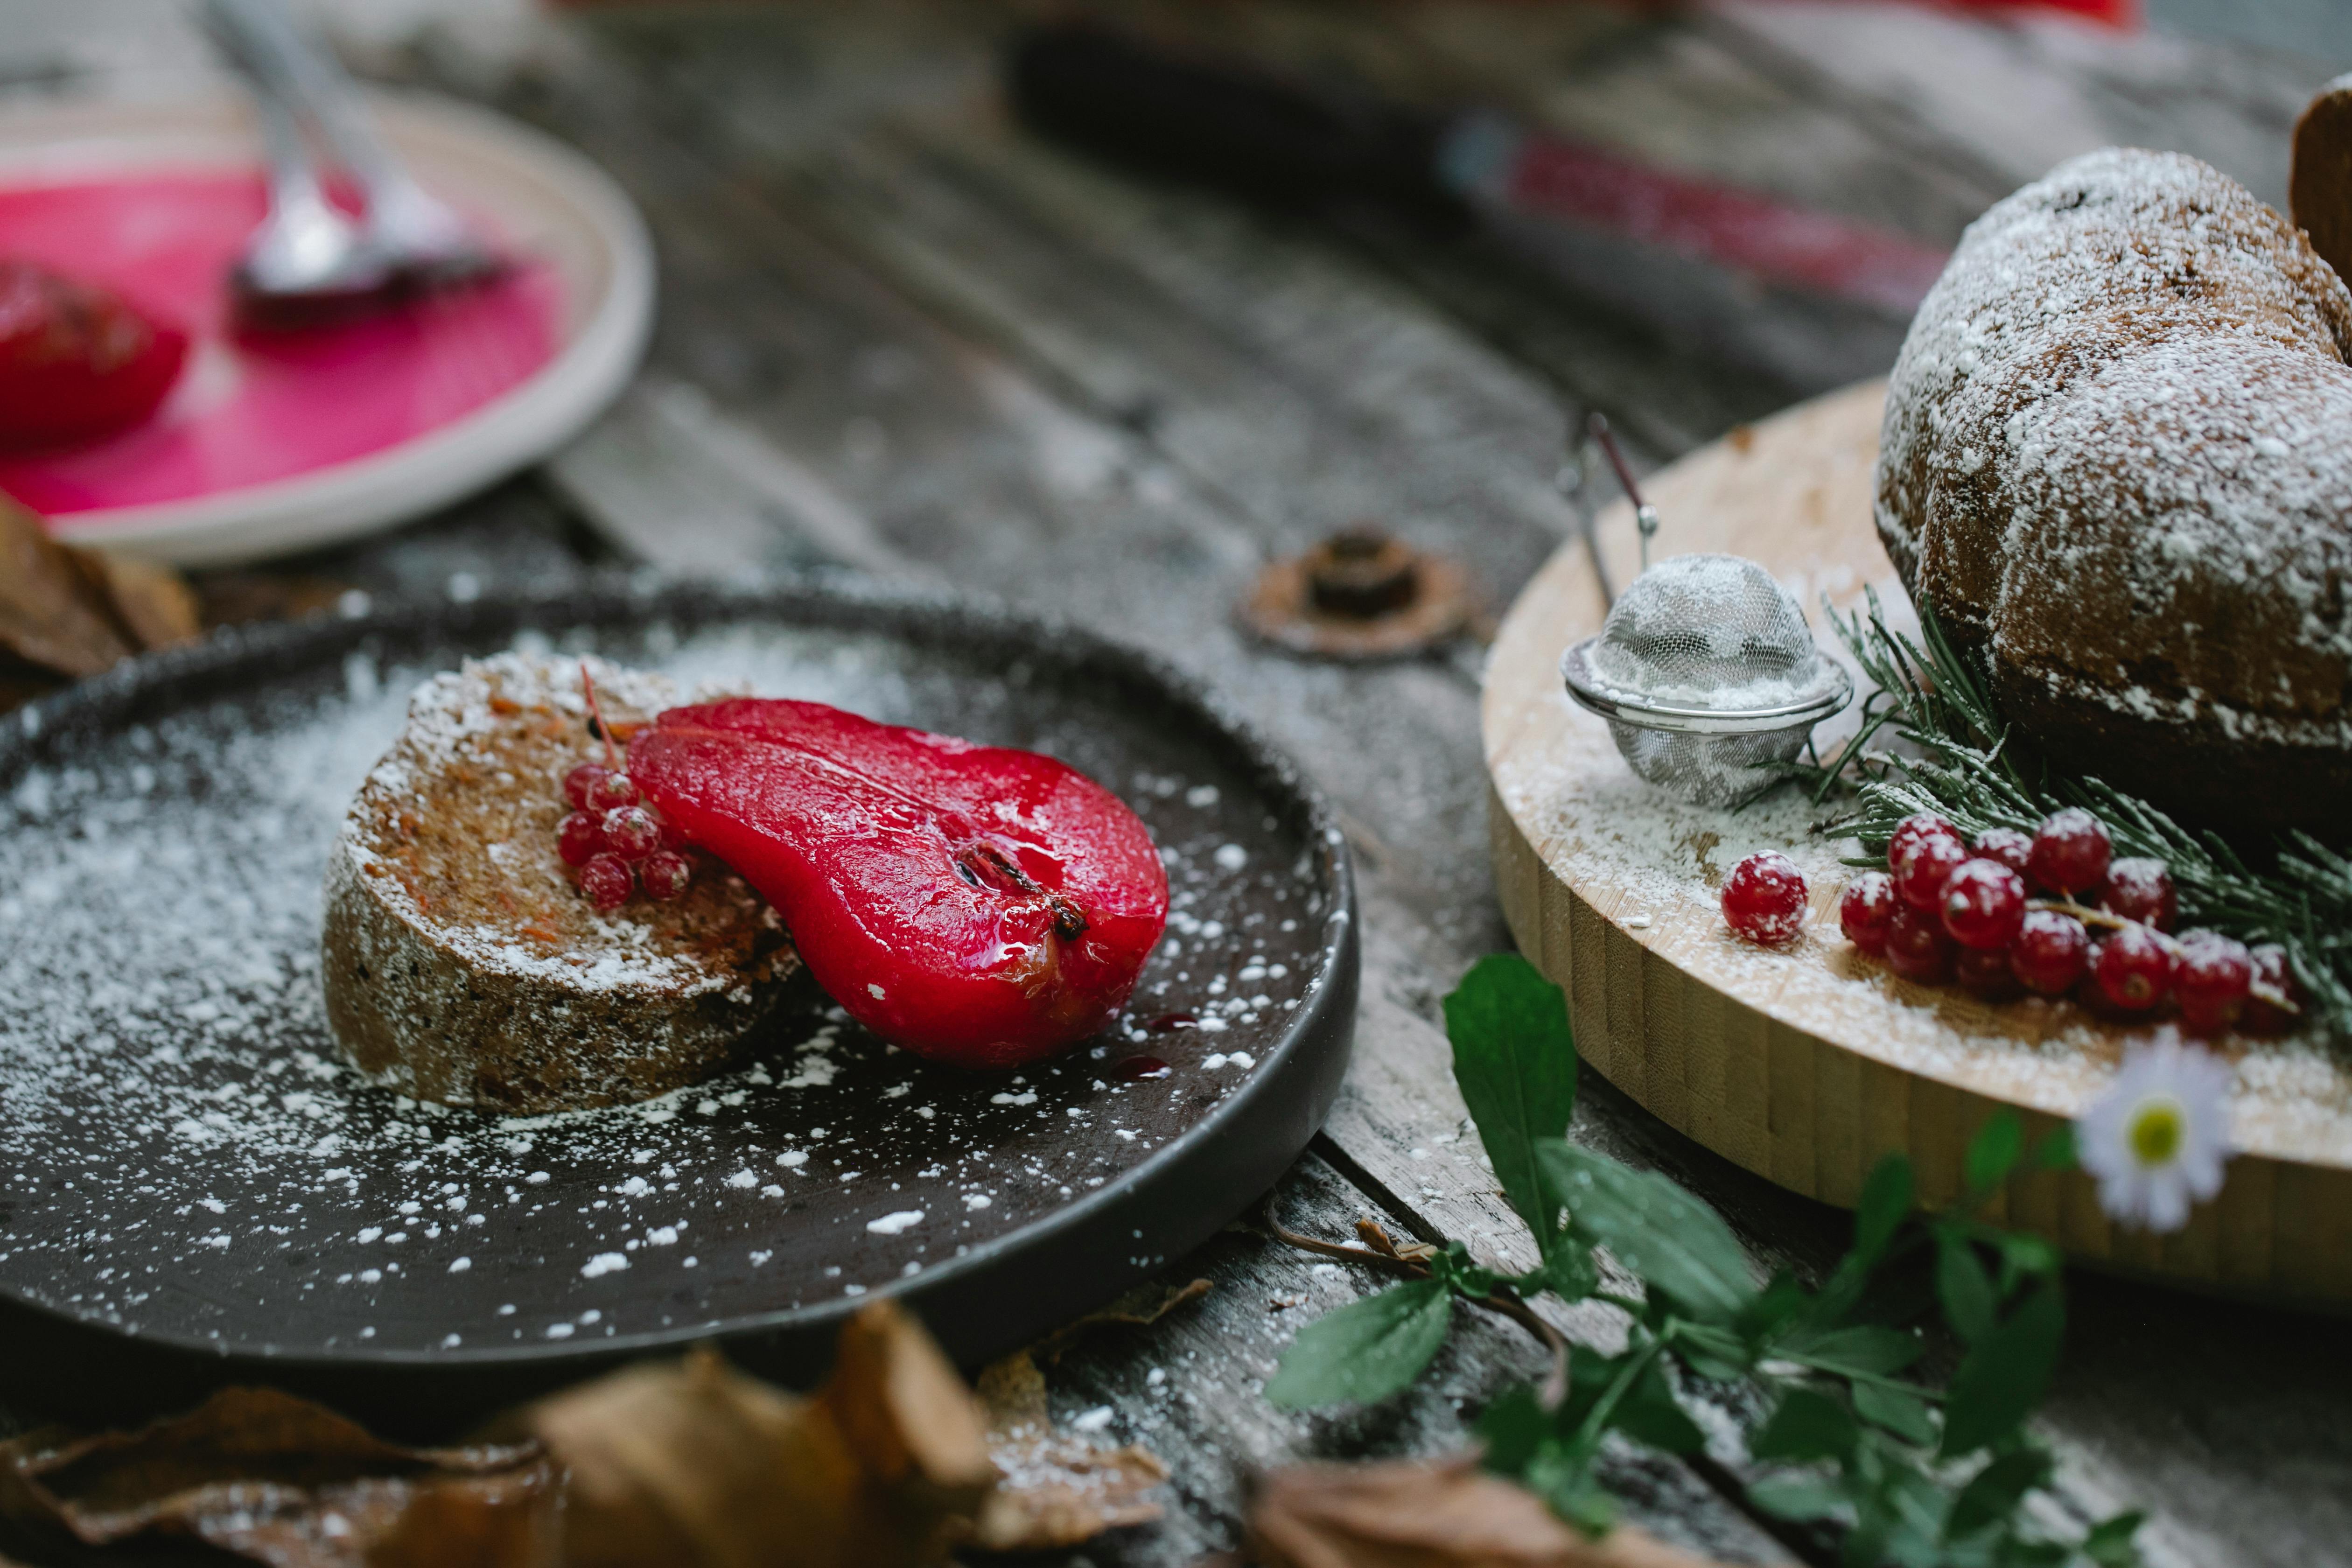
696, 1464
285, 1482
1449, 1514
1137, 1308
151, 603
50, 615
1376, 1237
1058, 1489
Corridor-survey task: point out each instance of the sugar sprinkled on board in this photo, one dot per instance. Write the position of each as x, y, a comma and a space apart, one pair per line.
1655, 864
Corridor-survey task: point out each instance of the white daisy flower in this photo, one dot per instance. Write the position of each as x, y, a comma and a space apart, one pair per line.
2155, 1139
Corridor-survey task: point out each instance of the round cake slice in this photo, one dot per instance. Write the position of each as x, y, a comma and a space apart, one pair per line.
461, 962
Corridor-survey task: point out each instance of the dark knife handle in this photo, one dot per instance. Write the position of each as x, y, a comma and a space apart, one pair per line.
1223, 123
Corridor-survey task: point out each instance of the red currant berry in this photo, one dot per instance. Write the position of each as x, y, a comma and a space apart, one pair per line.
2006, 844
1984, 901
666, 874
672, 835
579, 837
2070, 852
2140, 890
1918, 825
2209, 980
608, 881
632, 833
2050, 952
1917, 947
1865, 908
581, 782
1927, 863
1764, 899
2135, 969
2086, 992
1986, 972
2272, 973
612, 792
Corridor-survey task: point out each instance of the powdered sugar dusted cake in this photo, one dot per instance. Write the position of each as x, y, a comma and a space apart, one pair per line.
2117, 460
461, 962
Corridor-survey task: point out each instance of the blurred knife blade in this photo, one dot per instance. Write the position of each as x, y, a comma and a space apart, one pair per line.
1814, 298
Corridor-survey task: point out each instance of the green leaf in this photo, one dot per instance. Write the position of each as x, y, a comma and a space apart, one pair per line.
2110, 1544
1515, 1062
1783, 1303
2001, 1378
1885, 1199
1365, 1351
1589, 1375
1453, 1267
1512, 1428
1649, 1413
1892, 1410
1569, 1273
2022, 1256
1869, 1350
1721, 1357
1992, 1495
1886, 1202
1677, 1245
1866, 1543
1917, 1498
1993, 1151
2054, 1150
1907, 1548
1799, 1498
1565, 1482
1806, 1424
1964, 1288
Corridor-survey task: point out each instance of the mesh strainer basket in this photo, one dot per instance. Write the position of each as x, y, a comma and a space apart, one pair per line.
1709, 677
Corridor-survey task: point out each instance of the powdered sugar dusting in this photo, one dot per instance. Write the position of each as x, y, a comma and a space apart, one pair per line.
2113, 449
183, 1153
1654, 866
459, 716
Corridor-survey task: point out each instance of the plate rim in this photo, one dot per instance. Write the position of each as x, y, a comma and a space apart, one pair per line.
395, 484
162, 681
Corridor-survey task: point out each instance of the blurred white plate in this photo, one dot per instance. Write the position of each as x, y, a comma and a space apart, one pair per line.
550, 203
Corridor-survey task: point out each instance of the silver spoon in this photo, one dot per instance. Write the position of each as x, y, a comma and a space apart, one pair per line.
308, 258
418, 239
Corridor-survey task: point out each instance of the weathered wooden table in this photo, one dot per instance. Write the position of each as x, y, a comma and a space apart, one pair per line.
899, 337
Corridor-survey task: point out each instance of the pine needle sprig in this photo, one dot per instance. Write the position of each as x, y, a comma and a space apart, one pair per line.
1953, 754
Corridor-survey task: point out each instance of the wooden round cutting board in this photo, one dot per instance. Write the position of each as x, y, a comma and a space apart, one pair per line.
1806, 1065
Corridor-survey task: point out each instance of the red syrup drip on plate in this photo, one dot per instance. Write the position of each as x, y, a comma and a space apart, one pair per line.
1135, 1068
1169, 1023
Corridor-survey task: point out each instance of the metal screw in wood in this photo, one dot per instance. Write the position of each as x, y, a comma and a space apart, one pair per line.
1360, 594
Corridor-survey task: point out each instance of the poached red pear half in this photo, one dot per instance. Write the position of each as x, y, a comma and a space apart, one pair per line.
976, 905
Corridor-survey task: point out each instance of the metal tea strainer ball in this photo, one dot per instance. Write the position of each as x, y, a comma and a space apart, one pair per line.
1709, 677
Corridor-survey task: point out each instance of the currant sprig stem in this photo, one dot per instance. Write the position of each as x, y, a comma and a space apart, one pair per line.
1932, 739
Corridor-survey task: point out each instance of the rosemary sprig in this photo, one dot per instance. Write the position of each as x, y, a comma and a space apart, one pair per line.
1962, 760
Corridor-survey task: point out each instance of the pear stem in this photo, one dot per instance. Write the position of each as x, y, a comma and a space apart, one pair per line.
596, 715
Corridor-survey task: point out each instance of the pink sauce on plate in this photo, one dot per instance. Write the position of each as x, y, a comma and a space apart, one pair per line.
252, 408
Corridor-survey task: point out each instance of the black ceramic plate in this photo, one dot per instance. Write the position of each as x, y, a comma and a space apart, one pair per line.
190, 1170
